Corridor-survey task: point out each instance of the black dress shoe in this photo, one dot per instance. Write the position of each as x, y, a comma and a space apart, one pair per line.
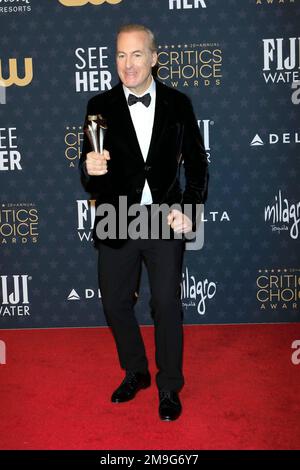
169, 405
133, 382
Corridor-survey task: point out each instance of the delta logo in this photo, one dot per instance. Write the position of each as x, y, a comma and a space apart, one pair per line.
87, 294
81, 3
276, 138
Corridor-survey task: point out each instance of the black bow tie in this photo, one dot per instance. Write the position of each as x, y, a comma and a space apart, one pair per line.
146, 99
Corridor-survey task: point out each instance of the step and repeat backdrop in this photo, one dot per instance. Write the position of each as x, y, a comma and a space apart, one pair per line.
239, 61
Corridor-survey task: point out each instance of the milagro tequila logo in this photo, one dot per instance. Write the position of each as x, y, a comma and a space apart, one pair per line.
281, 60
14, 295
196, 293
86, 212
284, 216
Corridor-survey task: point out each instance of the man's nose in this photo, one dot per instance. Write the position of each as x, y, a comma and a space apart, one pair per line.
128, 62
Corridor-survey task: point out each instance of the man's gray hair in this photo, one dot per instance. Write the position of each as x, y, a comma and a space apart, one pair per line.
128, 28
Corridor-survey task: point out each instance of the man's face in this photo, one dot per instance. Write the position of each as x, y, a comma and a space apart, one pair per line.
135, 60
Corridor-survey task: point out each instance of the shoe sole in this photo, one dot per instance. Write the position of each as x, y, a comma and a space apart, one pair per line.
168, 419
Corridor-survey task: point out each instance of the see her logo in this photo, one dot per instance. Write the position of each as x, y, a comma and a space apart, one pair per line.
80, 3
2, 352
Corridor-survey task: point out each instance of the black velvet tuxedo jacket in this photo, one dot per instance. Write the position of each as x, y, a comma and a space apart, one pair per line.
175, 138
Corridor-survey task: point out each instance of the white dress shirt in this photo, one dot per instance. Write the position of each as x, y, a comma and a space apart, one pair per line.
143, 118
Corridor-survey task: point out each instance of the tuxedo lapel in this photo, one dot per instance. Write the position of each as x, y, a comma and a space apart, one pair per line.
123, 121
125, 128
160, 120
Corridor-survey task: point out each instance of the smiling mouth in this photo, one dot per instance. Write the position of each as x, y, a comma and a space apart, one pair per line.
130, 76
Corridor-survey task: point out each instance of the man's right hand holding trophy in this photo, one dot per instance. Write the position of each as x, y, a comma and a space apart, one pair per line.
96, 161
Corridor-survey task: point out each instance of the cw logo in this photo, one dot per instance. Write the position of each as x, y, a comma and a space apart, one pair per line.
13, 73
80, 3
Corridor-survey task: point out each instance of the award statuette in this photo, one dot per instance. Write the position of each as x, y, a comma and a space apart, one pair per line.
95, 128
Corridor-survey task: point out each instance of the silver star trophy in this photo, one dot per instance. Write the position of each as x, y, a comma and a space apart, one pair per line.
95, 128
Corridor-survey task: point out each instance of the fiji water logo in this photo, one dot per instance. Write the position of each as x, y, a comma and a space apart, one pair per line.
14, 295
86, 212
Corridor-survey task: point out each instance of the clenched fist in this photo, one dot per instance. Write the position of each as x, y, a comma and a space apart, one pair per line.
96, 163
179, 222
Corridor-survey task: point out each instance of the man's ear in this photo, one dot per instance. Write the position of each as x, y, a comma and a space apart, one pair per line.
154, 59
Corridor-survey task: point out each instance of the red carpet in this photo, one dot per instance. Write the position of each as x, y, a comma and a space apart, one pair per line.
242, 391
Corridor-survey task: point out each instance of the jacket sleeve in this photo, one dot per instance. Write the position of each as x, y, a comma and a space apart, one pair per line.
194, 159
195, 166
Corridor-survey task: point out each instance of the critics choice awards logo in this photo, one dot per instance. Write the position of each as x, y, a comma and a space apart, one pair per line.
73, 141
275, 2
10, 157
18, 223
14, 295
92, 73
190, 65
278, 289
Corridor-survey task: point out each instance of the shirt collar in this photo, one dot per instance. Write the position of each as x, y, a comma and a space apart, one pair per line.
151, 89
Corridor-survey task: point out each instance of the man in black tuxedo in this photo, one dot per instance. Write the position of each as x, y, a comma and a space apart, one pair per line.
151, 128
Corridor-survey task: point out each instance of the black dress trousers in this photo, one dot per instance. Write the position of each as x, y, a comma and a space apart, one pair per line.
119, 270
